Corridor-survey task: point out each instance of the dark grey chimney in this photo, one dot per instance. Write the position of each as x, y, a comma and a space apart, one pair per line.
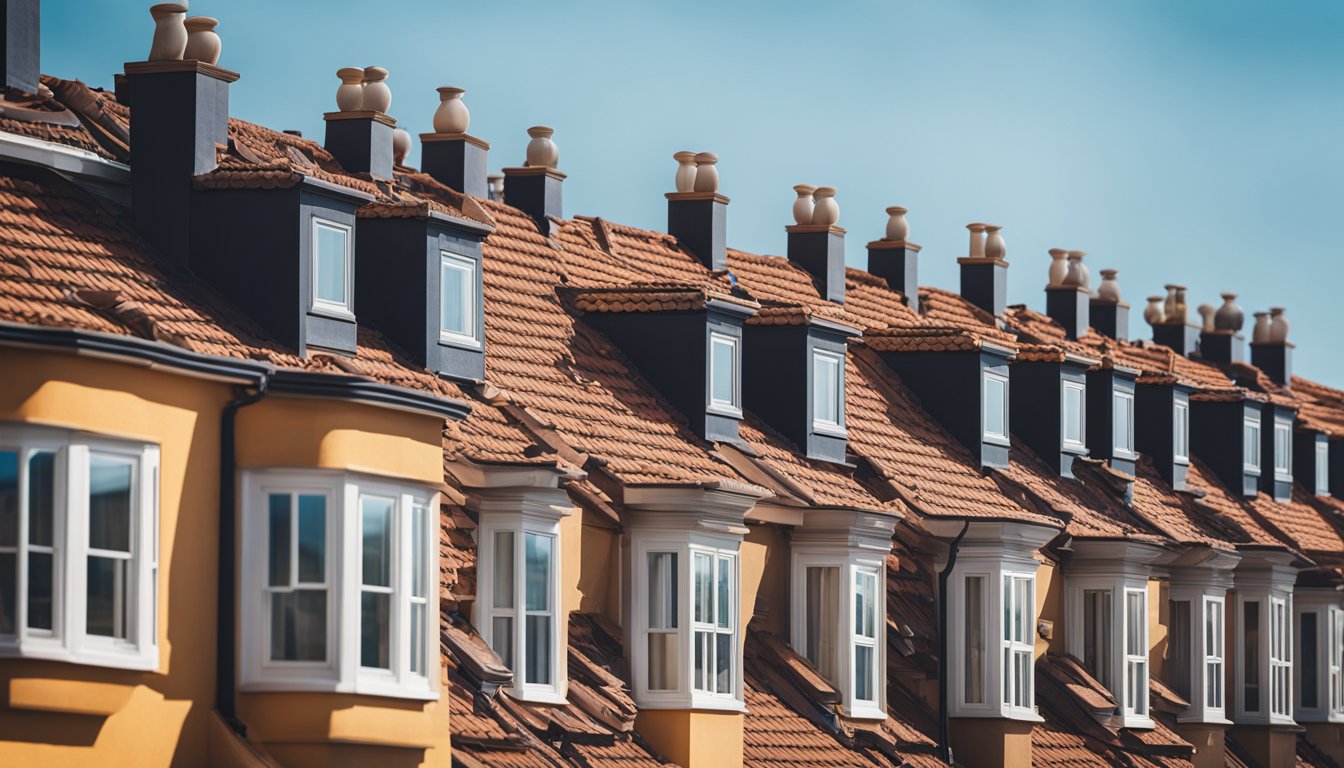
1106, 311
22, 48
454, 158
359, 136
179, 117
697, 215
1274, 354
984, 273
1168, 321
536, 188
896, 259
819, 246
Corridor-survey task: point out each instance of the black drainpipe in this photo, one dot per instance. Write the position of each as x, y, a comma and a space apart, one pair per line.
943, 575
228, 521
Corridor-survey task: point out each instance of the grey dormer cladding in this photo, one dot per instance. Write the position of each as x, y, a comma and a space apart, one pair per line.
1217, 438
1304, 459
1276, 484
1155, 428
1038, 409
1103, 387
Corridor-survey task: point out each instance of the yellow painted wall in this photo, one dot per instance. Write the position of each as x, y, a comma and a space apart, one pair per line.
693, 739
1050, 607
990, 743
303, 730
765, 579
1159, 618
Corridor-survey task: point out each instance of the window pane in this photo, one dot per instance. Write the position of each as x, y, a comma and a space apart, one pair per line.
1181, 430
662, 590
109, 504
456, 312
1251, 672
701, 668
278, 540
1178, 648
724, 585
1097, 635
39, 590
1073, 413
1124, 422
503, 586
501, 639
996, 410
537, 571
418, 611
299, 625
375, 620
9, 499
662, 661
329, 284
376, 517
107, 597
1322, 468
723, 662
9, 566
312, 539
418, 578
1283, 437
825, 388
704, 589
41, 497
538, 645
863, 673
1309, 660
975, 640
823, 620
723, 370
1135, 624
865, 605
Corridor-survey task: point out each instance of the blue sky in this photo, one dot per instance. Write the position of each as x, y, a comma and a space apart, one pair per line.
1196, 142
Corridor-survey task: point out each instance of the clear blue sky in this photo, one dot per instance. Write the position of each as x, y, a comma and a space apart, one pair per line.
1197, 142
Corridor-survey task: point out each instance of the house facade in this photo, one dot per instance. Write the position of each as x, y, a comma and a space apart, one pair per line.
309, 457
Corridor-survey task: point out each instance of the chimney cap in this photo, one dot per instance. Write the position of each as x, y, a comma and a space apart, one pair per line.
1058, 251
1276, 310
449, 90
804, 189
161, 8
706, 158
824, 192
896, 209
374, 74
200, 23
351, 74
976, 227
541, 131
685, 154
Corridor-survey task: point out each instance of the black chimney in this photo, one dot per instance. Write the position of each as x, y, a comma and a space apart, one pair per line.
21, 21
895, 259
819, 246
361, 141
1106, 312
984, 273
1068, 306
1274, 356
699, 221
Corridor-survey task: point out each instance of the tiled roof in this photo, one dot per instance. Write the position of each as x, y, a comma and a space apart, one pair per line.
819, 483
650, 298
56, 119
949, 308
933, 338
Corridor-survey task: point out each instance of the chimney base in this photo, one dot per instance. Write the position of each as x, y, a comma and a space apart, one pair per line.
21, 54
455, 160
820, 250
1222, 347
1110, 318
699, 221
984, 283
1069, 308
536, 192
1179, 336
361, 141
897, 262
1275, 359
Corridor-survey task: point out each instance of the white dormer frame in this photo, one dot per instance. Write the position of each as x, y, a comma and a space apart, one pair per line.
994, 386
990, 555
1080, 413
1203, 581
855, 544
1322, 653
1322, 473
343, 309
835, 361
1283, 448
1123, 403
1180, 432
1264, 584
733, 407
1119, 571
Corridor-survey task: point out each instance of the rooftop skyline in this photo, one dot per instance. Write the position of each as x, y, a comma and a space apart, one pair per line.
1192, 144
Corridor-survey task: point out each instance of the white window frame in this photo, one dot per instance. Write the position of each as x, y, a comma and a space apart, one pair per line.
326, 306
68, 639
471, 283
837, 359
1283, 449
990, 436
1123, 659
733, 407
1067, 385
849, 564
1250, 449
342, 672
1280, 657
1017, 640
1213, 640
1180, 438
1325, 605
706, 634
1134, 702
1322, 458
1274, 654
537, 520
1126, 397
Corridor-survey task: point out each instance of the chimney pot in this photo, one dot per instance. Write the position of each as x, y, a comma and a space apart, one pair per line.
685, 179
452, 115
706, 172
804, 204
454, 158
401, 146
170, 32
995, 248
977, 241
1206, 311
1109, 290
350, 95
1085, 275
1074, 278
895, 259
1260, 334
377, 95
897, 227
1229, 316
1278, 325
1153, 314
203, 42
825, 210
1108, 313
1059, 268
541, 150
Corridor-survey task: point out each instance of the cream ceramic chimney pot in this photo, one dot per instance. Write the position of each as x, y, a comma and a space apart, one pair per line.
1261, 332
1207, 312
1229, 316
452, 115
377, 95
685, 180
203, 42
1082, 269
1109, 290
995, 248
825, 210
170, 32
1169, 306
1074, 278
350, 96
401, 145
706, 172
1059, 267
1153, 314
977, 240
897, 227
1278, 325
541, 150
803, 205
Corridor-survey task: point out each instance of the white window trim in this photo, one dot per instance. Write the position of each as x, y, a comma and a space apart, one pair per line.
1135, 657
988, 436
68, 641
471, 285
1283, 431
1180, 438
341, 672
543, 520
1251, 437
826, 426
849, 563
721, 407
1081, 388
1009, 646
1325, 604
1118, 584
1127, 397
1322, 458
343, 310
1280, 657
1277, 588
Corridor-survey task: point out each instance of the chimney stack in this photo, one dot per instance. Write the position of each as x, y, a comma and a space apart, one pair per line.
1108, 313
179, 115
697, 215
984, 273
895, 259
454, 158
817, 244
535, 189
1270, 350
19, 34
359, 135
1167, 317
1223, 344
495, 183
1067, 302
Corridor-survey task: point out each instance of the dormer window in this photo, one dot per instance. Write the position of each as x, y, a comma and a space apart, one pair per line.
995, 393
331, 267
1250, 433
1322, 458
1073, 404
1283, 449
1122, 418
828, 391
1181, 431
458, 287
725, 380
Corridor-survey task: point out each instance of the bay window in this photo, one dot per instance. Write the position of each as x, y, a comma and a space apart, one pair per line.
1319, 677
712, 623
78, 548
1197, 659
337, 578
1019, 611
1135, 701
1264, 668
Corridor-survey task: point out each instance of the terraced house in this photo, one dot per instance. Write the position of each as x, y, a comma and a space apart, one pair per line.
308, 457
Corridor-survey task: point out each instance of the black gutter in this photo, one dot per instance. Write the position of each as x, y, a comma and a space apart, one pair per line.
943, 744
363, 390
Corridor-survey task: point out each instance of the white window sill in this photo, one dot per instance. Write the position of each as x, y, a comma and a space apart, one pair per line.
865, 711
1204, 718
996, 440
829, 429
719, 409
130, 660
699, 702
1137, 722
454, 340
538, 696
332, 311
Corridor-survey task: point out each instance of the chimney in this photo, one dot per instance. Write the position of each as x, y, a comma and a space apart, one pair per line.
1223, 343
697, 215
1274, 354
454, 158
359, 135
535, 189
179, 115
495, 183
21, 20
1167, 317
984, 273
817, 245
1067, 302
1107, 312
895, 259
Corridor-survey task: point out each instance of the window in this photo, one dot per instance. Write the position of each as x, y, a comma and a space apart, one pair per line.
331, 267
1280, 658
1320, 656
1019, 610
828, 391
1073, 417
1334, 661
867, 673
1283, 449
1136, 652
725, 386
823, 613
663, 660
1122, 428
1251, 656
840, 627
1215, 634
974, 670
1195, 647
78, 548
458, 285
1322, 468
1179, 647
1097, 634
1309, 661
1181, 431
342, 600
712, 622
996, 407
1250, 436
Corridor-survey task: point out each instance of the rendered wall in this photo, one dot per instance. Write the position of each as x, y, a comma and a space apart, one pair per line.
693, 739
